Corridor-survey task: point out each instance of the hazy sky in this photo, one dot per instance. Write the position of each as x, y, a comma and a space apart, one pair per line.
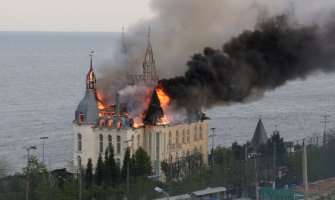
71, 15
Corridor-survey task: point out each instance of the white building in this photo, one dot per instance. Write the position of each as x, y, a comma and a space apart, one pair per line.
95, 131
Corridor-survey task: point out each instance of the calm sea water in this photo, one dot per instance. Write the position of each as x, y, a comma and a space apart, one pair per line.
43, 80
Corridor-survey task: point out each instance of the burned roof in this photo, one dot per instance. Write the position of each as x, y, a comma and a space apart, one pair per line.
155, 112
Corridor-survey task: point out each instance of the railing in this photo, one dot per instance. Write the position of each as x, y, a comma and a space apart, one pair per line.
174, 146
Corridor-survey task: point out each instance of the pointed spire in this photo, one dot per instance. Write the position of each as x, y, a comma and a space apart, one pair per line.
155, 111
259, 136
149, 33
90, 78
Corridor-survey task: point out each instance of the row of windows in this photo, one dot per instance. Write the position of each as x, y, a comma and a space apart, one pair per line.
110, 143
186, 135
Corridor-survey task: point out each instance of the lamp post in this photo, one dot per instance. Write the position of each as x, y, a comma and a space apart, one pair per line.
160, 190
27, 183
255, 155
43, 138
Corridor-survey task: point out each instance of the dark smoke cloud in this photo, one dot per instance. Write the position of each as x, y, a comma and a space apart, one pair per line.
278, 50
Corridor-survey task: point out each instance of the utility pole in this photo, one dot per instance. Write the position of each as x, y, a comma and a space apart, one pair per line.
255, 155
304, 164
212, 150
325, 121
27, 183
43, 138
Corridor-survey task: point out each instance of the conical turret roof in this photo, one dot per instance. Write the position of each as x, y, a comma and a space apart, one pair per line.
155, 111
259, 136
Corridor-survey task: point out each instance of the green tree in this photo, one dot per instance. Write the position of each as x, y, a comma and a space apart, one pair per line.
88, 174
99, 171
126, 160
34, 166
106, 171
142, 163
113, 168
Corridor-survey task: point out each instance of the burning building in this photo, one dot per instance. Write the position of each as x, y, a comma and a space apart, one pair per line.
98, 127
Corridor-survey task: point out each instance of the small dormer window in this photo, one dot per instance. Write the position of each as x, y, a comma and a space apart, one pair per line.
119, 124
110, 124
81, 118
102, 123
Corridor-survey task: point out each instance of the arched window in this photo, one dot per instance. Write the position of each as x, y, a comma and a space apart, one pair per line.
79, 142
102, 123
81, 118
101, 143
79, 161
170, 138
118, 140
183, 136
138, 140
110, 123
177, 137
188, 136
195, 133
109, 143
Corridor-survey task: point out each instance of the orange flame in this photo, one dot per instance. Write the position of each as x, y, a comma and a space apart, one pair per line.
163, 97
165, 100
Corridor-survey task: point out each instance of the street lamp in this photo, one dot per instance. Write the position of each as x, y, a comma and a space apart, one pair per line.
27, 183
255, 155
43, 138
160, 190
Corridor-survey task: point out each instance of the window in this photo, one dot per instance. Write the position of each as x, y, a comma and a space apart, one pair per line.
118, 140
177, 137
79, 142
101, 143
195, 133
200, 132
138, 141
118, 162
132, 141
79, 161
102, 123
81, 118
183, 136
188, 136
110, 123
170, 137
110, 143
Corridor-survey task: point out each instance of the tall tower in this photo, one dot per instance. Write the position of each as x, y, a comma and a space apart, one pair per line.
149, 69
87, 112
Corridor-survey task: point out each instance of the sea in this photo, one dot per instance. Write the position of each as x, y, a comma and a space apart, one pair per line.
42, 80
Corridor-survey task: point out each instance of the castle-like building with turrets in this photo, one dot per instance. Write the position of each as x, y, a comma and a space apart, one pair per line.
95, 131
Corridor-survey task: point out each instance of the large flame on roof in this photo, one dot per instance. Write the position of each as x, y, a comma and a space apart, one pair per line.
164, 99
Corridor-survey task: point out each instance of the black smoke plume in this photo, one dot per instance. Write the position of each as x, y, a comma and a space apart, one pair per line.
278, 50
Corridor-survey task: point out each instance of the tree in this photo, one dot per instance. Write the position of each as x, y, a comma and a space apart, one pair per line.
106, 171
142, 163
99, 171
126, 160
4, 167
34, 166
113, 167
88, 174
